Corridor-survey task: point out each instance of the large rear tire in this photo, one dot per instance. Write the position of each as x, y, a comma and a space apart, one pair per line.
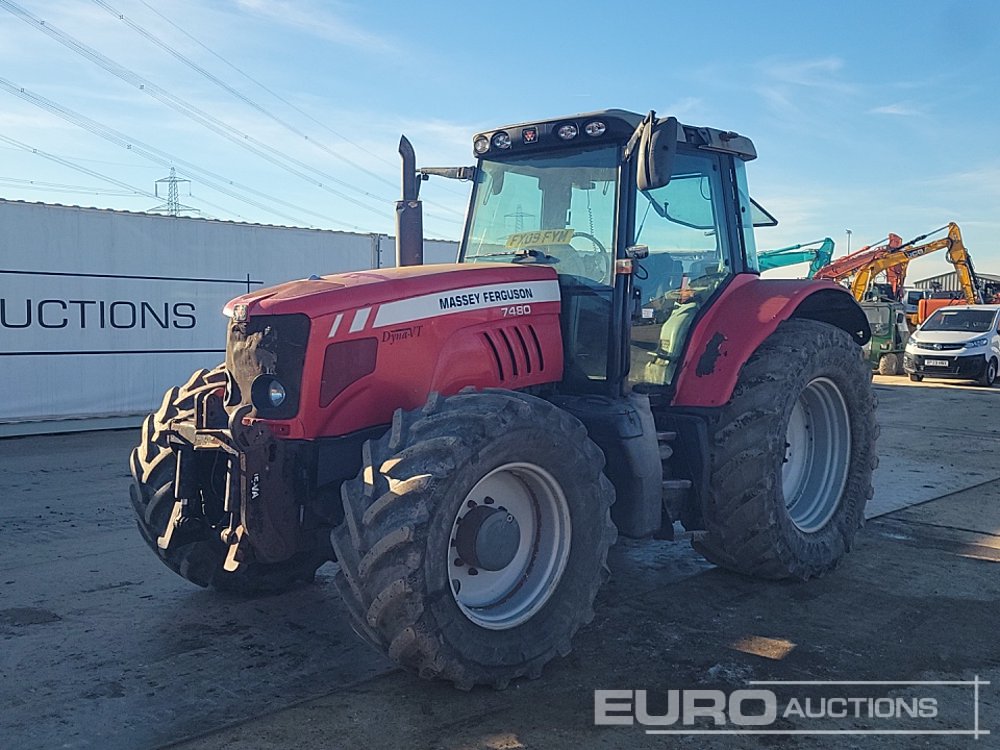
153, 466
791, 456
476, 537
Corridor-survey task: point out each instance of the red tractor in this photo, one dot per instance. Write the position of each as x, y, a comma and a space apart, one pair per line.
467, 440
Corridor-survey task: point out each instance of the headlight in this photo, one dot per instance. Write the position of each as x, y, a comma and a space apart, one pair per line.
976, 342
501, 140
276, 394
595, 128
267, 392
481, 145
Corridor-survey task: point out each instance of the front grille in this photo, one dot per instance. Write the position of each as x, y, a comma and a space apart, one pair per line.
941, 347
967, 367
268, 345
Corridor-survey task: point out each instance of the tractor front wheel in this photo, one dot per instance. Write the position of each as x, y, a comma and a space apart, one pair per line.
476, 537
791, 456
154, 465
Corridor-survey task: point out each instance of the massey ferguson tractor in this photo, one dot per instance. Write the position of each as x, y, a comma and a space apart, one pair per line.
467, 440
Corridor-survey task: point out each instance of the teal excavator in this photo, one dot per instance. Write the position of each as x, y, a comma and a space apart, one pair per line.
817, 254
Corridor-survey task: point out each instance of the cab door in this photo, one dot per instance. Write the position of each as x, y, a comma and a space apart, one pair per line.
688, 227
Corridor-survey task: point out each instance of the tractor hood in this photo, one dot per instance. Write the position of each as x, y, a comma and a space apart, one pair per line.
317, 296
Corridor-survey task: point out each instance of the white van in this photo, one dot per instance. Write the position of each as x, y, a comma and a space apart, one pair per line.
959, 341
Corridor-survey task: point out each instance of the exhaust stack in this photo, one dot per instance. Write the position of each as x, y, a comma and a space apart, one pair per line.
409, 212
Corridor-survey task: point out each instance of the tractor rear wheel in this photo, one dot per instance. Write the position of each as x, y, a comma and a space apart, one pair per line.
791, 456
153, 466
476, 537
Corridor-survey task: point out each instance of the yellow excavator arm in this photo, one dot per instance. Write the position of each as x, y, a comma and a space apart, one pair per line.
958, 256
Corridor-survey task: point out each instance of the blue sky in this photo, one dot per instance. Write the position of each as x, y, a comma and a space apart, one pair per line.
872, 116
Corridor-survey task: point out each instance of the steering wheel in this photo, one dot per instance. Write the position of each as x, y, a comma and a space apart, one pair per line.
601, 266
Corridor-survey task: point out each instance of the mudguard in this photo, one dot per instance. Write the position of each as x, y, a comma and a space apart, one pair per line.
748, 310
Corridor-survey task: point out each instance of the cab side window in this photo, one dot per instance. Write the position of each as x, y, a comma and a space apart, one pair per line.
684, 225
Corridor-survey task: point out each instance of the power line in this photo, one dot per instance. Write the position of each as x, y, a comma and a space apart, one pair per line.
166, 47
101, 161
270, 91
72, 165
60, 187
153, 39
224, 210
131, 189
170, 50
244, 140
211, 179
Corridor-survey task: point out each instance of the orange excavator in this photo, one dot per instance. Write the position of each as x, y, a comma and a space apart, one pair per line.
842, 269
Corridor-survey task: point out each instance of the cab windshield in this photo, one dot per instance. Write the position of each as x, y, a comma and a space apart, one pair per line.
878, 319
972, 321
557, 210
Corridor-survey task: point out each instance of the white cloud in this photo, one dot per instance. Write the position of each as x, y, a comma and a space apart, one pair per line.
899, 109
319, 21
818, 73
983, 182
688, 107
806, 95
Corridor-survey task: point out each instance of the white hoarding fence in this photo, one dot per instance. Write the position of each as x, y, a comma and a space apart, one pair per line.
103, 311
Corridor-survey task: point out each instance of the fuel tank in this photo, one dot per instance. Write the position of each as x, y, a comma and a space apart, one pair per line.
349, 349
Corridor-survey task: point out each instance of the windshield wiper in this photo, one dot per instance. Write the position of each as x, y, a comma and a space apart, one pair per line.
521, 255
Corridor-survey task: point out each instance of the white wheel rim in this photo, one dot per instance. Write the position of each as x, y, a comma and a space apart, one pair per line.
817, 455
505, 598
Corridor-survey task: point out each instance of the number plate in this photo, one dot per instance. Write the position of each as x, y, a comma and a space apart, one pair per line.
936, 362
543, 237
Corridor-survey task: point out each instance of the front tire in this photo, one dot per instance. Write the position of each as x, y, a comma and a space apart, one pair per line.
153, 466
476, 537
791, 456
989, 375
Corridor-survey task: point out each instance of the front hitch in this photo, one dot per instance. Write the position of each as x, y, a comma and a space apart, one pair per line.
262, 515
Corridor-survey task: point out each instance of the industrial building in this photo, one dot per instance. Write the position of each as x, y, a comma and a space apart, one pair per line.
948, 282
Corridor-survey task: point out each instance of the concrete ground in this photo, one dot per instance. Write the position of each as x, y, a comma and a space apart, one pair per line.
101, 646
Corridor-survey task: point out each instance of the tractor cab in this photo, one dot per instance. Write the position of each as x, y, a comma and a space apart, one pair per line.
643, 220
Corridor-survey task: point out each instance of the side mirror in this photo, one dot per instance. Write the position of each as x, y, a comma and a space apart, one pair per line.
657, 147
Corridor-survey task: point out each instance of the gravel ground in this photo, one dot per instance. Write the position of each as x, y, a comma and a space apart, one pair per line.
101, 646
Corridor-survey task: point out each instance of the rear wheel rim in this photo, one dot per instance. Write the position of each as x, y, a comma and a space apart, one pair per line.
534, 503
817, 455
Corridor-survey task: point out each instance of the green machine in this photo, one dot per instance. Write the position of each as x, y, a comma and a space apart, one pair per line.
890, 333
